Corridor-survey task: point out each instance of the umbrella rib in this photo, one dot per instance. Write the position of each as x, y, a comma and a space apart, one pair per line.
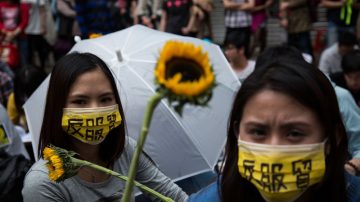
127, 40
104, 48
185, 130
194, 141
132, 70
148, 45
145, 61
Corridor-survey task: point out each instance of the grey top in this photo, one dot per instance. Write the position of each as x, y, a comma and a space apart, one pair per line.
38, 187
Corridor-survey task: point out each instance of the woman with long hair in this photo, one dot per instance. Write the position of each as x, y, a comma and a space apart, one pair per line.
286, 140
82, 94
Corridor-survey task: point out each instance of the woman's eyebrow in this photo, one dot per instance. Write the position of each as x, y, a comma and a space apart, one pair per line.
107, 94
255, 124
78, 95
296, 124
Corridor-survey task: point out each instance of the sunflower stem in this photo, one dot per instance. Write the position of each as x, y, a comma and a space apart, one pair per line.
80, 163
152, 103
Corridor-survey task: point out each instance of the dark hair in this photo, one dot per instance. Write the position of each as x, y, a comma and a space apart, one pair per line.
299, 80
276, 53
347, 38
26, 82
238, 40
351, 62
64, 74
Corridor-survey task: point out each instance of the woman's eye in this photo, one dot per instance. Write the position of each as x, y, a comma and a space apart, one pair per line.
257, 132
295, 134
106, 99
78, 102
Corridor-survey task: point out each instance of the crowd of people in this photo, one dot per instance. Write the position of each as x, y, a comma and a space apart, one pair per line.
290, 109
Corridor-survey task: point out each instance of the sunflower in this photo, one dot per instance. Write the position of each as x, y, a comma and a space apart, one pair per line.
62, 165
184, 74
94, 35
59, 163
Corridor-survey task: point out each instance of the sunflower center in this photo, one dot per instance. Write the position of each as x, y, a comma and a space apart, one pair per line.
189, 69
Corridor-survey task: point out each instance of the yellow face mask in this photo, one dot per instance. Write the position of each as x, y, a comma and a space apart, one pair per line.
281, 173
90, 125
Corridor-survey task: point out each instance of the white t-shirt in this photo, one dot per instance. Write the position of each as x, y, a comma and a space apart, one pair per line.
330, 60
243, 74
34, 16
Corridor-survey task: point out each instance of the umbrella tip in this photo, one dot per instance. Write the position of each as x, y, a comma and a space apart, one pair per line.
119, 56
77, 39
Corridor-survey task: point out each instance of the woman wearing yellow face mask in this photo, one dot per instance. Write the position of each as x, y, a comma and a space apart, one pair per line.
83, 113
286, 140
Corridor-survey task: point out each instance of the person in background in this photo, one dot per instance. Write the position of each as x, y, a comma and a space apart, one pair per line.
349, 78
258, 25
35, 31
238, 18
128, 12
295, 18
330, 59
67, 27
350, 113
237, 54
286, 140
175, 15
358, 27
16, 146
149, 12
14, 17
6, 87
82, 85
199, 24
339, 18
6, 69
14, 160
94, 17
25, 83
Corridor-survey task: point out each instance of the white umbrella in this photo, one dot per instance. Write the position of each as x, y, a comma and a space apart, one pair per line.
181, 146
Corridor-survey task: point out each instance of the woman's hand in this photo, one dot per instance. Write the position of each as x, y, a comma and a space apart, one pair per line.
9, 36
353, 166
284, 6
185, 30
147, 21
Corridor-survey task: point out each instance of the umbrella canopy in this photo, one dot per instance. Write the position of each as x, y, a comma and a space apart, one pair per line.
181, 146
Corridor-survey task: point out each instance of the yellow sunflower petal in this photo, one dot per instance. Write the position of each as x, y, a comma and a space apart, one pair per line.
47, 152
55, 163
